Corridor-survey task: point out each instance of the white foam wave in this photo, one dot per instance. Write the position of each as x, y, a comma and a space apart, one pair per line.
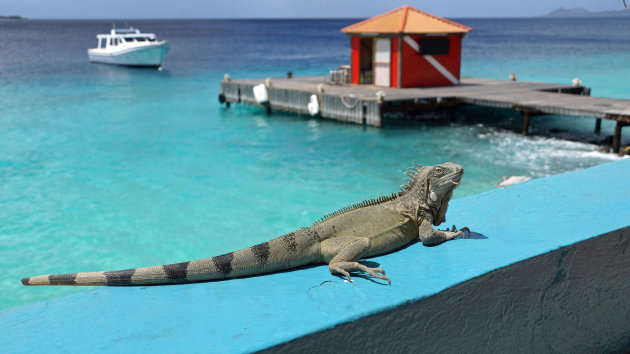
539, 156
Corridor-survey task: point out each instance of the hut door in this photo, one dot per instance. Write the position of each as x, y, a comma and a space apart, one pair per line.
366, 61
382, 58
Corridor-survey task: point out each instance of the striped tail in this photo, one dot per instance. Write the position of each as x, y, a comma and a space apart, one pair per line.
278, 254
166, 274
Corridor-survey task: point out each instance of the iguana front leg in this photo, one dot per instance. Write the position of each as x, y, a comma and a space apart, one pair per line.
429, 237
345, 252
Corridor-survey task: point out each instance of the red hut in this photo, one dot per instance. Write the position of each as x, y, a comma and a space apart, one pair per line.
406, 47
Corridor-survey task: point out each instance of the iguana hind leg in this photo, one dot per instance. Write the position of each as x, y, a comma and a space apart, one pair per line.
345, 252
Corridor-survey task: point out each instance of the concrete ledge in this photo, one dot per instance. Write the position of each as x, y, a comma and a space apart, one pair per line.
546, 270
571, 300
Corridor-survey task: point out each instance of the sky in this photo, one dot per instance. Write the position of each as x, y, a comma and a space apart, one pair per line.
126, 9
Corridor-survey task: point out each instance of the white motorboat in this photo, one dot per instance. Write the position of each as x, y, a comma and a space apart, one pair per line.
128, 47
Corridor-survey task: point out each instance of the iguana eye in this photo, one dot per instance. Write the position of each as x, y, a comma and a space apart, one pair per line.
438, 170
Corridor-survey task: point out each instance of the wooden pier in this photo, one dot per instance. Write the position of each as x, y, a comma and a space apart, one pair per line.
369, 104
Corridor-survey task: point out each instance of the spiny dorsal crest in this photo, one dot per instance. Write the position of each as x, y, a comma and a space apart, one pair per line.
410, 171
363, 204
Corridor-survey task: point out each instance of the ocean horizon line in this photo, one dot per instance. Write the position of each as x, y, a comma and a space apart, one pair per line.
541, 17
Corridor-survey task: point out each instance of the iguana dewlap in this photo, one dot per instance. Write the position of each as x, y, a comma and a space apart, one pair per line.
340, 239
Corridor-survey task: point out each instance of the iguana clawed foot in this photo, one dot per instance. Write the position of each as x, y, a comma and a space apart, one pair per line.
459, 232
344, 268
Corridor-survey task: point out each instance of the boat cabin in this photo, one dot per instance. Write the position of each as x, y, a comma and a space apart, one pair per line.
406, 47
119, 36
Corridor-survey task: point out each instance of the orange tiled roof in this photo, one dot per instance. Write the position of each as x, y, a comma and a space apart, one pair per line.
406, 19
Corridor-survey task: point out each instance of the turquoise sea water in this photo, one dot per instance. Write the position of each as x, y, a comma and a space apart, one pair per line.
106, 168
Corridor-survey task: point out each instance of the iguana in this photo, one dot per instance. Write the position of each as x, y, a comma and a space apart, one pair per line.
340, 239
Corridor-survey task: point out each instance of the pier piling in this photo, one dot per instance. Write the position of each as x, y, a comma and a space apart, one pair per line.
617, 137
598, 125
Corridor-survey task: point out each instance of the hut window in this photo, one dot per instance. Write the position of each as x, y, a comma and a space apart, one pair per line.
434, 46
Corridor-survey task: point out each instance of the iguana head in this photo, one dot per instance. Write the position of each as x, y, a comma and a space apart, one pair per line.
432, 187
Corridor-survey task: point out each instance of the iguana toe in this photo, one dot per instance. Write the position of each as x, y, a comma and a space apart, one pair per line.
377, 273
461, 232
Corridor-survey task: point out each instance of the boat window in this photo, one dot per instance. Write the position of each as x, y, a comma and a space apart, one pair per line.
102, 43
140, 39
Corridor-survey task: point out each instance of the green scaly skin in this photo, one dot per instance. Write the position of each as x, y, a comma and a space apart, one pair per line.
340, 239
